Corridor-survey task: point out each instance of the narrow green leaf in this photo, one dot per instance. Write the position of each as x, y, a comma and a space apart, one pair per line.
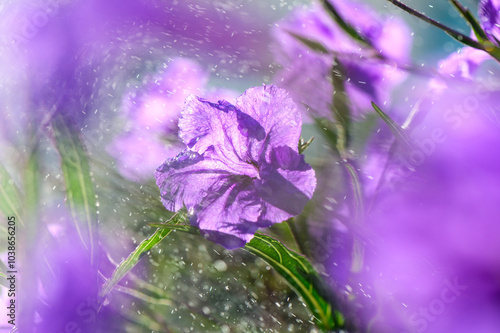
328, 130
79, 184
10, 196
183, 228
341, 108
396, 130
313, 45
295, 268
144, 297
301, 276
3, 276
32, 181
126, 265
358, 250
349, 29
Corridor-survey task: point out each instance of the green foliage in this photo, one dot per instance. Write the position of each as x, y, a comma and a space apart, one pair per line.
10, 196
349, 29
301, 276
397, 130
125, 266
341, 108
313, 45
80, 193
471, 20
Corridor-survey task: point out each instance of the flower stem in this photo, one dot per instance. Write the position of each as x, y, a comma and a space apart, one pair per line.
453, 33
295, 235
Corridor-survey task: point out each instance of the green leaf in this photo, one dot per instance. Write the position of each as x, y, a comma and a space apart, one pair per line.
10, 196
328, 130
341, 108
313, 45
126, 265
79, 184
349, 29
358, 250
32, 181
183, 228
301, 276
396, 130
3, 276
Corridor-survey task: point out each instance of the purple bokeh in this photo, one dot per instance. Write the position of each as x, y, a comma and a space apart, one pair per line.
431, 231
307, 73
152, 111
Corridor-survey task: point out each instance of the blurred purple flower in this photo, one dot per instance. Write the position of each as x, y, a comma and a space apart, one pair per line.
432, 248
157, 106
71, 57
460, 66
307, 74
153, 112
241, 170
489, 15
66, 287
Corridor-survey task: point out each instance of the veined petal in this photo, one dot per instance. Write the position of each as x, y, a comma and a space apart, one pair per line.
264, 117
285, 185
219, 125
230, 215
279, 116
188, 178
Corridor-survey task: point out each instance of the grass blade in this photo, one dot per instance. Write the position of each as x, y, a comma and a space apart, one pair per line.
79, 184
313, 45
10, 196
301, 276
341, 108
396, 130
134, 257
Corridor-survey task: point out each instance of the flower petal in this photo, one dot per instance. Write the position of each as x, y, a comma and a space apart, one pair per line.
188, 178
230, 215
279, 116
286, 185
489, 11
204, 124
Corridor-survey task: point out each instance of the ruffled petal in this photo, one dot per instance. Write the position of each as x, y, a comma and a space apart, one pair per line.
278, 115
230, 215
286, 185
188, 178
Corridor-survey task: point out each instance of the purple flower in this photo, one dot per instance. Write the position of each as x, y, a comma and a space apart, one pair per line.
153, 112
307, 74
460, 66
157, 105
489, 12
241, 170
58, 289
432, 231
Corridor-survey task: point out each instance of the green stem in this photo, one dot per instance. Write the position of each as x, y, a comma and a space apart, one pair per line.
295, 235
453, 33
